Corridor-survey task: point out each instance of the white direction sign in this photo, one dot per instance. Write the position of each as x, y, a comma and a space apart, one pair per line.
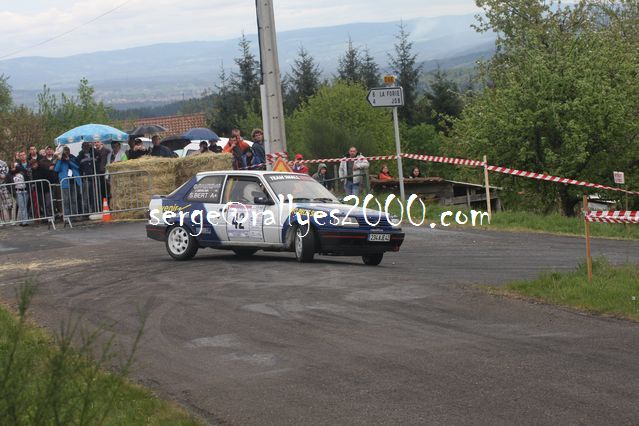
386, 97
619, 177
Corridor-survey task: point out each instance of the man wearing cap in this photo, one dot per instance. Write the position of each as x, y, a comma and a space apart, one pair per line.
299, 167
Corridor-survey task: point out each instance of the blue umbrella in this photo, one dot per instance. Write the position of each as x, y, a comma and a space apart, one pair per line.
92, 133
201, 133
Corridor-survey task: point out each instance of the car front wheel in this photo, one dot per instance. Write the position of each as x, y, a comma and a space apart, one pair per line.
372, 259
304, 244
180, 244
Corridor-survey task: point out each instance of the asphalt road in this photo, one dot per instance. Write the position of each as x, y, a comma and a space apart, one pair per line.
271, 341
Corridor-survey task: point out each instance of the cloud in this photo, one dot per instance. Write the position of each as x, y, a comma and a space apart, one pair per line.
143, 22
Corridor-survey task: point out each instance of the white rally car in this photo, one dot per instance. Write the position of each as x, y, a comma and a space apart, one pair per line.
247, 211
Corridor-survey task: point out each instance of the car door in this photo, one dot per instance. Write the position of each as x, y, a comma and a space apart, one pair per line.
244, 218
207, 193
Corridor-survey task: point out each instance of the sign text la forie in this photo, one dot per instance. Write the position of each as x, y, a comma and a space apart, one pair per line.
386, 97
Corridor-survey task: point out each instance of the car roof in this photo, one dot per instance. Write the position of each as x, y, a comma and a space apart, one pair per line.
245, 173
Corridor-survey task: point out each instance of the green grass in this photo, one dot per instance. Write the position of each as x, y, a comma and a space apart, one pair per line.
516, 221
614, 290
63, 379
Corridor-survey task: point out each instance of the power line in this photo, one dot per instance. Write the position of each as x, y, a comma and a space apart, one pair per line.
66, 32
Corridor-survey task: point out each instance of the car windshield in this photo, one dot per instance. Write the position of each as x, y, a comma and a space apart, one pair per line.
302, 188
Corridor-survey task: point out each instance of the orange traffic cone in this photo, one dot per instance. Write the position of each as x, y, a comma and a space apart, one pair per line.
106, 213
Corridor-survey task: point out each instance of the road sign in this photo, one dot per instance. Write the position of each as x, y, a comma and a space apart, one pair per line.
619, 177
386, 97
389, 80
281, 166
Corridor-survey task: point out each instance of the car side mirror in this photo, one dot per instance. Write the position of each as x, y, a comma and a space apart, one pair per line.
264, 201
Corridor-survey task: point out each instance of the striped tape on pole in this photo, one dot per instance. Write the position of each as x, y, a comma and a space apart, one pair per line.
619, 216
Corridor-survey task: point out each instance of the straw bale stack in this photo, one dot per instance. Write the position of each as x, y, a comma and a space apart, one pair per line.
164, 175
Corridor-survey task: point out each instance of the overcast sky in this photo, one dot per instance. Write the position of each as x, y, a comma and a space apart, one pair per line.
26, 23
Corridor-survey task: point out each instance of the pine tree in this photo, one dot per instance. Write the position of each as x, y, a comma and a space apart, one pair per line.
350, 65
407, 71
369, 71
303, 80
444, 100
247, 79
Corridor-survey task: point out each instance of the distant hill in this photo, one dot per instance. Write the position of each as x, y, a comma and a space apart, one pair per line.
167, 72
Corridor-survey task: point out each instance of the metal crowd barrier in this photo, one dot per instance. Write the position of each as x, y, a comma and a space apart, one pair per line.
24, 202
83, 196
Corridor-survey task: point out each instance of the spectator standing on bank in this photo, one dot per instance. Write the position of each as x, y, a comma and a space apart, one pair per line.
259, 152
353, 164
160, 150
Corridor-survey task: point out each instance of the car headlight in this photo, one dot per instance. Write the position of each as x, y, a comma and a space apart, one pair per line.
349, 221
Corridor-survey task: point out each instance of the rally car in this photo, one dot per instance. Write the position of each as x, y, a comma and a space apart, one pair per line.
247, 211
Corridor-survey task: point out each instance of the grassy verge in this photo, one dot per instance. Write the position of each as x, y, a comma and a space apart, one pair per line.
64, 380
614, 290
513, 221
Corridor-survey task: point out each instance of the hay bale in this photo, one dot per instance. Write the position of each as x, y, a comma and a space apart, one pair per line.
187, 167
131, 190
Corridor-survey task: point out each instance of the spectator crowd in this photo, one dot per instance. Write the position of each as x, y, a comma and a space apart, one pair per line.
38, 184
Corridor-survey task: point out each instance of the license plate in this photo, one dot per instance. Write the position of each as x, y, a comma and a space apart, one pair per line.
379, 237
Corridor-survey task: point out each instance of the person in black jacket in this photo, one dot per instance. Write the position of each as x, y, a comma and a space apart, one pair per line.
137, 151
159, 150
88, 164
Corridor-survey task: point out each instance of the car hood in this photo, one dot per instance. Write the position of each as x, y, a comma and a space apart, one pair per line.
343, 209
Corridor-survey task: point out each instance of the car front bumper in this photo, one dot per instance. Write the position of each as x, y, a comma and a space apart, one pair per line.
355, 242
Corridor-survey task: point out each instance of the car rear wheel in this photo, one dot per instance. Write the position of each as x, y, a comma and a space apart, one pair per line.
180, 244
244, 252
372, 259
304, 243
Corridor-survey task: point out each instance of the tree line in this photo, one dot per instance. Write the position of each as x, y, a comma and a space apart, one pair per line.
560, 95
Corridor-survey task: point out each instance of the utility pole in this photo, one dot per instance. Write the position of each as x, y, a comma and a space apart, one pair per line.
272, 105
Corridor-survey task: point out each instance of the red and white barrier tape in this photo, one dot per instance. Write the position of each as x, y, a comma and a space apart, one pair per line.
447, 160
272, 157
556, 179
462, 162
619, 216
339, 160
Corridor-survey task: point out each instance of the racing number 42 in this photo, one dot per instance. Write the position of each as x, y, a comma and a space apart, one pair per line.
238, 220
